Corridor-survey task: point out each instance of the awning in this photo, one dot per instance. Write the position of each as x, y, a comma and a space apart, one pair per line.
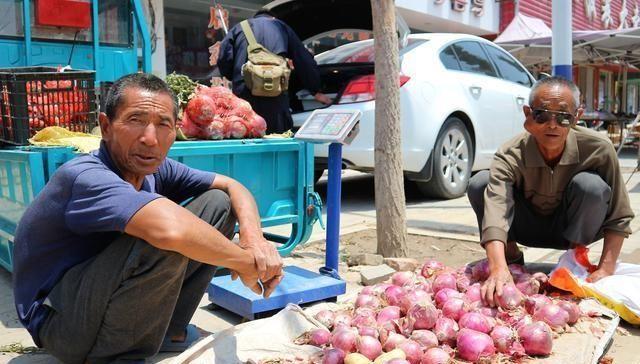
589, 46
523, 28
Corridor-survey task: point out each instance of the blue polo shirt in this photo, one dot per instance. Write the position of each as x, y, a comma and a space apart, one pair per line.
84, 207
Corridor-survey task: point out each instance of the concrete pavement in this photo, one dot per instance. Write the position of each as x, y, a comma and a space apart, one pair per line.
450, 219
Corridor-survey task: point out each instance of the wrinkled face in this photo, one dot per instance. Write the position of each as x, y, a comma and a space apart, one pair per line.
550, 116
143, 131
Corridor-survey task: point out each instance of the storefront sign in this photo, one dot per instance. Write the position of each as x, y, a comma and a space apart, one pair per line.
477, 7
623, 15
606, 14
635, 20
63, 13
590, 9
215, 21
458, 5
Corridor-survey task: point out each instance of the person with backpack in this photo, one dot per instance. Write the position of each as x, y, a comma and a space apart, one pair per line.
256, 55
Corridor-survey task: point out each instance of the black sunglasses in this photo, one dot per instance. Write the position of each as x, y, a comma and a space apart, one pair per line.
542, 116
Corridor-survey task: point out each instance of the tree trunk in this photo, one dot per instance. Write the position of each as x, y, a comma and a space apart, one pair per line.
389, 185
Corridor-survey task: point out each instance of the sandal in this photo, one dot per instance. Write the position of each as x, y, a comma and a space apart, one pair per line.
168, 345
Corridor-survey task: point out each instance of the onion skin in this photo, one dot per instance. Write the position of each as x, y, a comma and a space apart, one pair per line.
553, 315
392, 341
422, 316
412, 350
394, 295
319, 337
503, 338
446, 330
402, 278
444, 280
425, 338
325, 317
444, 294
454, 308
369, 347
480, 271
430, 267
534, 302
510, 298
473, 345
536, 338
473, 293
345, 340
572, 309
435, 356
333, 356
475, 321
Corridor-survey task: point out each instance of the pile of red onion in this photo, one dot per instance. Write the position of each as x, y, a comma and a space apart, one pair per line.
436, 314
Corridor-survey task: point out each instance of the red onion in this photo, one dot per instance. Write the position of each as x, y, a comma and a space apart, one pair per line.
473, 345
388, 313
393, 341
412, 350
319, 337
365, 300
475, 321
333, 356
517, 269
534, 302
378, 289
444, 280
554, 315
413, 298
359, 321
454, 308
364, 311
342, 318
446, 330
422, 316
397, 361
541, 277
473, 293
435, 356
444, 295
480, 271
462, 282
430, 267
478, 306
448, 349
345, 340
503, 338
394, 295
572, 309
426, 338
368, 331
325, 317
528, 285
367, 290
510, 298
426, 286
536, 338
369, 347
402, 278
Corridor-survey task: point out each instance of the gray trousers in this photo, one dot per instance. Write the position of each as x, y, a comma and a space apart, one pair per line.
119, 305
578, 219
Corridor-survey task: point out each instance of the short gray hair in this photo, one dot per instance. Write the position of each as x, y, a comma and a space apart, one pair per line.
557, 81
144, 81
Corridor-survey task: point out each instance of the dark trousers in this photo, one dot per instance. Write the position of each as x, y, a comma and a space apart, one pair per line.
577, 220
119, 305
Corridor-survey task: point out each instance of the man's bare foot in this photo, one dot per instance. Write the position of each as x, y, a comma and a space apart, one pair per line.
181, 337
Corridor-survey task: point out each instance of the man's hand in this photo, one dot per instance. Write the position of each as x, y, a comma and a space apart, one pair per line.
249, 277
493, 285
268, 262
322, 98
598, 274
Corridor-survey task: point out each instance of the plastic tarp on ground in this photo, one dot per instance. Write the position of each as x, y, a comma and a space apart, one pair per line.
529, 40
271, 340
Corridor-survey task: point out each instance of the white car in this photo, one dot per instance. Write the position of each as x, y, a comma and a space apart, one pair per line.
461, 96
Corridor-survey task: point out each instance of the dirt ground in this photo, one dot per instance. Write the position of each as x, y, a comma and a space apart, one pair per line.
454, 253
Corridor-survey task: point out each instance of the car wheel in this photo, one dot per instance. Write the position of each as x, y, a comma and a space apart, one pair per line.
452, 162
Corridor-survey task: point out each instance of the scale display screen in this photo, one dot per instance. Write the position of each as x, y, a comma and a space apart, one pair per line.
328, 126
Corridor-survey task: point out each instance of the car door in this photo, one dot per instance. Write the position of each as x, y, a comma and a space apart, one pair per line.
516, 78
491, 102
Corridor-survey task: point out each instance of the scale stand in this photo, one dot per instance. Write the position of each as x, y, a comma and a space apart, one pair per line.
301, 286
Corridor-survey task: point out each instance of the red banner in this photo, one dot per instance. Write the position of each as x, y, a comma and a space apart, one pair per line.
64, 13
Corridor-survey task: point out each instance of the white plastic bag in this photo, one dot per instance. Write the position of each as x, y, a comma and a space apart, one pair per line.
620, 291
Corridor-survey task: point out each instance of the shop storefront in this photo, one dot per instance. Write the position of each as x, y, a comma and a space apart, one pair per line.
604, 78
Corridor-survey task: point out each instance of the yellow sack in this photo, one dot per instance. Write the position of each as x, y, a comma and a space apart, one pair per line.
61, 137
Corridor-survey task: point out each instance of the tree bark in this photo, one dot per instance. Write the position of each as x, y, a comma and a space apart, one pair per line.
389, 184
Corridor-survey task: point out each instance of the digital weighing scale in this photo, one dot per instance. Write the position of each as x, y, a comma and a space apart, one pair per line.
301, 286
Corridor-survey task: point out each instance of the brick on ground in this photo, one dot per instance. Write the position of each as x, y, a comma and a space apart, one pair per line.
402, 264
376, 274
365, 259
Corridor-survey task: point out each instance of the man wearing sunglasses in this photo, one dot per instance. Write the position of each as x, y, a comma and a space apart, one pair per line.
556, 186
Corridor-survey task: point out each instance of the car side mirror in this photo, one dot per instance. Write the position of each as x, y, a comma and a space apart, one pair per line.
543, 75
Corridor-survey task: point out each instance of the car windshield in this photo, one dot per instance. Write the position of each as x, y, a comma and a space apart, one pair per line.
359, 52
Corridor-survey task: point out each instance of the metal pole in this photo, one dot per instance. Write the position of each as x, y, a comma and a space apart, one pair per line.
144, 32
26, 23
561, 43
334, 186
95, 14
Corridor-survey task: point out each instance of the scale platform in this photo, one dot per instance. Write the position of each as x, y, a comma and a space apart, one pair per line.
298, 286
